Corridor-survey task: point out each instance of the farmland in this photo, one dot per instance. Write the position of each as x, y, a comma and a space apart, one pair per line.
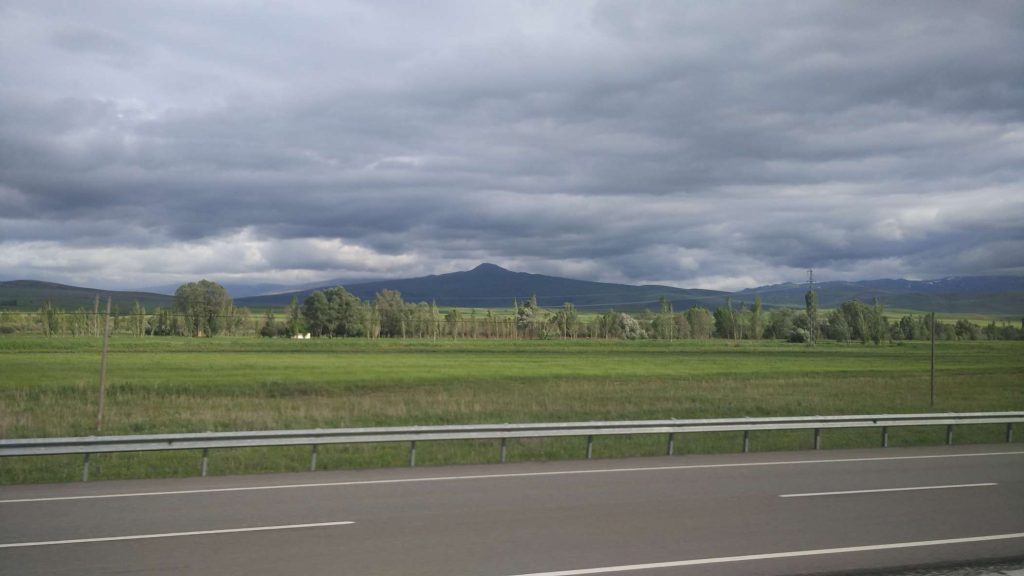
48, 387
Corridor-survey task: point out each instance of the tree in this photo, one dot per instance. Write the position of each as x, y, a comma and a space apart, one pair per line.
391, 310
663, 326
682, 326
878, 326
742, 320
317, 312
242, 321
78, 322
271, 327
566, 321
203, 304
452, 319
49, 317
294, 324
966, 330
349, 312
607, 325
811, 302
434, 317
371, 322
756, 319
161, 323
725, 321
838, 329
334, 312
780, 323
702, 324
138, 319
911, 328
528, 317
630, 328
854, 313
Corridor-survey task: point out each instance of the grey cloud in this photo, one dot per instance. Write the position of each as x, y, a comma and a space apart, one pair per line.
90, 40
688, 143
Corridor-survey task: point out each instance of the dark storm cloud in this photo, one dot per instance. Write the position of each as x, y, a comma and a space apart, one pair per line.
718, 145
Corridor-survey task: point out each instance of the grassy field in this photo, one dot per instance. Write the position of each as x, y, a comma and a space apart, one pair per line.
48, 387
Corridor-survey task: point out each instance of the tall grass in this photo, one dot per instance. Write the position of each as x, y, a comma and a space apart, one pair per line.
48, 387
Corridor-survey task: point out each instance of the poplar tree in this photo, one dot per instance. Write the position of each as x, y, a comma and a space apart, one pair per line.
756, 319
811, 301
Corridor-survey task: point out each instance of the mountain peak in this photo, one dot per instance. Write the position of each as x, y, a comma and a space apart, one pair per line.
488, 267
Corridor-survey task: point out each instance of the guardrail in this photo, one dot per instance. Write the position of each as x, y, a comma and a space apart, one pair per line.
412, 434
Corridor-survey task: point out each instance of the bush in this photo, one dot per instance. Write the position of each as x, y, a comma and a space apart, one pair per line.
799, 336
272, 329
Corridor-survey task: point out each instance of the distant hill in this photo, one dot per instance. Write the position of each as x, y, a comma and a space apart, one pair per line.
31, 294
491, 286
234, 289
972, 294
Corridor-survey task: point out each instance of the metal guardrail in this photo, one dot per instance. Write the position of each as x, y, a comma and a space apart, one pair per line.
412, 434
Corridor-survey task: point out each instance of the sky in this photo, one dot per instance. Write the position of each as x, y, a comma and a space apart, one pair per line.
718, 145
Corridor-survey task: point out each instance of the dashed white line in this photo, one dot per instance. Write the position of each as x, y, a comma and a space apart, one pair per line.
877, 490
171, 534
498, 476
775, 555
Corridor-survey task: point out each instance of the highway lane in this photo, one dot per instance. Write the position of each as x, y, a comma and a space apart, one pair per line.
724, 514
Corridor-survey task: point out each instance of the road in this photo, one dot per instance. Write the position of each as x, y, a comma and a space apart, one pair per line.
768, 513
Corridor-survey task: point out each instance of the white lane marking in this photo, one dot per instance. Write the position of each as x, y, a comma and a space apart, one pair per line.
908, 489
497, 476
775, 555
172, 534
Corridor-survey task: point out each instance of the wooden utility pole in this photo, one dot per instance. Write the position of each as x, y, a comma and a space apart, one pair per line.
933, 360
103, 367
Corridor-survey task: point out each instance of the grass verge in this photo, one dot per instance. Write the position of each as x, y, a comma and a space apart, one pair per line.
48, 387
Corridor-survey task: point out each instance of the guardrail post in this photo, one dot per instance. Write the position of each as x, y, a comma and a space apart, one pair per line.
885, 436
412, 454
312, 459
949, 435
85, 468
1009, 432
504, 444
671, 444
590, 447
746, 441
206, 457
817, 438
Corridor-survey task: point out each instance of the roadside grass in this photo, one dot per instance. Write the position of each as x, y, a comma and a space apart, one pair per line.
48, 387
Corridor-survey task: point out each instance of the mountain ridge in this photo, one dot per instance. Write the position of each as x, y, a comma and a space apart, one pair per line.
953, 294
491, 286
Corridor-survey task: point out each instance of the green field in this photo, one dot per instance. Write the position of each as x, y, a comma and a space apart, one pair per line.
49, 387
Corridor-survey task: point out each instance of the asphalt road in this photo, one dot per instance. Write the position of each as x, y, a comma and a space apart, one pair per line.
776, 513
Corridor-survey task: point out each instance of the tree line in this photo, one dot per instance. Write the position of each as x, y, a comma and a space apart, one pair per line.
204, 309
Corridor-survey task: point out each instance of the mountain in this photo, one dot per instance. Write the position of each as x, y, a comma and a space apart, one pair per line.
970, 294
338, 282
31, 294
491, 286
235, 290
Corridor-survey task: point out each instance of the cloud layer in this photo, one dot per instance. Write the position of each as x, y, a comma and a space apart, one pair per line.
718, 145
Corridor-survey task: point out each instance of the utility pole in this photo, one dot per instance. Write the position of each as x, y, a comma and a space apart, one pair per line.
811, 301
933, 360
103, 367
